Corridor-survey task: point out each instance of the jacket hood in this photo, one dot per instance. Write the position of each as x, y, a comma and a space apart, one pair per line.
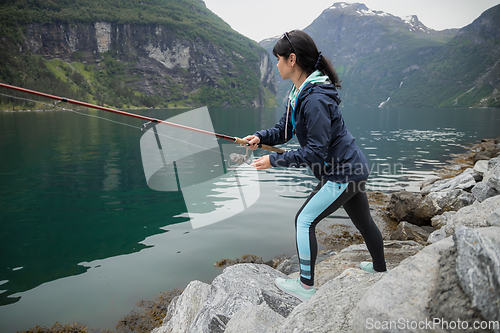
326, 89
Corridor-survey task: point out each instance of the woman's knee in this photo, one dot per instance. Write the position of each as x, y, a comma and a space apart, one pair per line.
302, 221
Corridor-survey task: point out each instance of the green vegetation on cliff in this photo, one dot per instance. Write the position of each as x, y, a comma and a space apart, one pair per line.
190, 16
116, 77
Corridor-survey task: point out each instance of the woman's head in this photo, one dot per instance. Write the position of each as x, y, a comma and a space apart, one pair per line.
306, 52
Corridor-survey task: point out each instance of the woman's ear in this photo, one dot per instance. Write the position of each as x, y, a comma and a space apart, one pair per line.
292, 59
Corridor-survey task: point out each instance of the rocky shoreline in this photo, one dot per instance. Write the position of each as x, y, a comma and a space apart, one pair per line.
444, 272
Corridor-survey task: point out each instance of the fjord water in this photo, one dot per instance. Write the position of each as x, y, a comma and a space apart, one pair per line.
83, 238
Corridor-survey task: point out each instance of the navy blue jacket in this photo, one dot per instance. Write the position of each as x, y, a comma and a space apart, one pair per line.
327, 147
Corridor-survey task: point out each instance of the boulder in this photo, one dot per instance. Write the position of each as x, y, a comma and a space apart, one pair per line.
493, 162
407, 231
185, 308
490, 185
465, 181
350, 257
493, 177
481, 167
475, 216
478, 268
208, 308
489, 149
402, 205
483, 191
448, 302
481, 155
494, 218
256, 319
429, 181
440, 221
436, 236
490, 146
329, 310
436, 203
404, 292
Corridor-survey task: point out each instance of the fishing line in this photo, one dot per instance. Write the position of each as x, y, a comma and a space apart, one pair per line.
149, 119
26, 99
234, 157
55, 105
231, 157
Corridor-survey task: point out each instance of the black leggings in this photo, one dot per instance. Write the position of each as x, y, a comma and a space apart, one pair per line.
325, 199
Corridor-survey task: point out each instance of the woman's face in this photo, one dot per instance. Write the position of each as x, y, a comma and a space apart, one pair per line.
284, 67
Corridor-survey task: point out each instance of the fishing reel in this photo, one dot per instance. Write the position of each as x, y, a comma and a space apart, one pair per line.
239, 159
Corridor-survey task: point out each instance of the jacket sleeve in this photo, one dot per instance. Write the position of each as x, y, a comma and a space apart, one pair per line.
276, 135
318, 123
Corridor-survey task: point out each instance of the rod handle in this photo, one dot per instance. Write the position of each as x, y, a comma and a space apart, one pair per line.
265, 147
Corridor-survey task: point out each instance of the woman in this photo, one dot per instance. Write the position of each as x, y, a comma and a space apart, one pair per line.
327, 147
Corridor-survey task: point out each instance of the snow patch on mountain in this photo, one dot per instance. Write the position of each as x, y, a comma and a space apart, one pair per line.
360, 8
411, 21
369, 12
415, 24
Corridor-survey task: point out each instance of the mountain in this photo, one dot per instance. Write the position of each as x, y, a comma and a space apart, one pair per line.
465, 72
385, 60
134, 53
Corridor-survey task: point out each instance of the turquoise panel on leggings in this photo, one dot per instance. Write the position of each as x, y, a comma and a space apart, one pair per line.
317, 205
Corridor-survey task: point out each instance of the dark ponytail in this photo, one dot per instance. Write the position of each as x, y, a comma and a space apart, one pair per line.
308, 57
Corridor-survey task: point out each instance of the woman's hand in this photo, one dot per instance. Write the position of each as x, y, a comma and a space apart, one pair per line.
253, 142
262, 163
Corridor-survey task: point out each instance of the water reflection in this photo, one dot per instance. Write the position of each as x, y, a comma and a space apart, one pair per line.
72, 190
112, 173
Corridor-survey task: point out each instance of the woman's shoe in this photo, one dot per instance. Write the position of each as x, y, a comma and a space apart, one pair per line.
368, 267
294, 287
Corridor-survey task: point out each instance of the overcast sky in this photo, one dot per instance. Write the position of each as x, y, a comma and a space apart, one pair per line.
260, 19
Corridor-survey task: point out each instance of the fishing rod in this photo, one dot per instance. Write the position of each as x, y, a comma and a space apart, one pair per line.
149, 119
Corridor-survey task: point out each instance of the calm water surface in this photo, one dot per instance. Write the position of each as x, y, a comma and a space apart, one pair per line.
83, 238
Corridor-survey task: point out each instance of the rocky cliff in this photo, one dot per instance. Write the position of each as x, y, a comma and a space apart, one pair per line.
157, 62
198, 60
